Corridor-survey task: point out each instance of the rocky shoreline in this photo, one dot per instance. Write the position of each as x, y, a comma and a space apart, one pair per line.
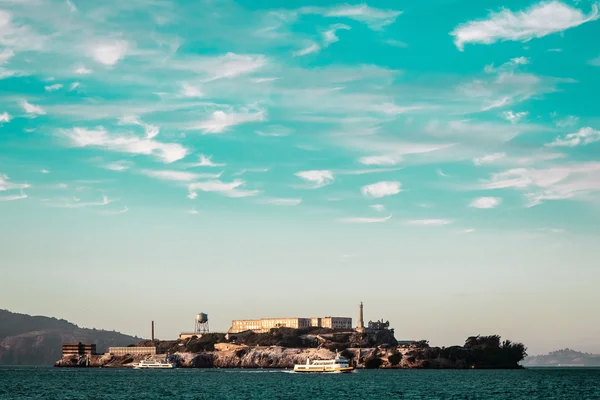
417, 355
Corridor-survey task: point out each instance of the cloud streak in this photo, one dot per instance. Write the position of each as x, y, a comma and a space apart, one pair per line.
318, 178
381, 189
582, 137
179, 176
100, 137
229, 189
537, 21
485, 202
365, 220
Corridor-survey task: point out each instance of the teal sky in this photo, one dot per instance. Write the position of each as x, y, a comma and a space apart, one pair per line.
439, 161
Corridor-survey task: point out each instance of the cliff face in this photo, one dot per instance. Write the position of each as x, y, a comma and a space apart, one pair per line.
241, 356
35, 340
284, 347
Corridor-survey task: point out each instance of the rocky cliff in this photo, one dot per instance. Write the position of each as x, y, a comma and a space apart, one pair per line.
478, 352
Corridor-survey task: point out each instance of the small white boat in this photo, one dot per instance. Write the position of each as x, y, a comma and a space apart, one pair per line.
155, 364
338, 365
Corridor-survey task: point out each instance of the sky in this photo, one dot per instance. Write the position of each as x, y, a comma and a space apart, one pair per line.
438, 161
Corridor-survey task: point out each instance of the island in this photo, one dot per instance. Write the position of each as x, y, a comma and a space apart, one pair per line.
283, 347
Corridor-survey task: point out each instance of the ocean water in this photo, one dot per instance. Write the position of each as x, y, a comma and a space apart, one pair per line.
62, 383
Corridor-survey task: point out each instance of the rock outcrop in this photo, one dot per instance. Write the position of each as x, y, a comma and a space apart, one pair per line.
369, 350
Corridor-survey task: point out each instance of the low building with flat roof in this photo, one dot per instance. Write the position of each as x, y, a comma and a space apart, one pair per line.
78, 349
266, 324
122, 351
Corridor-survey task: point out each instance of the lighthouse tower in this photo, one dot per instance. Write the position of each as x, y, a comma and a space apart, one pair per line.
361, 321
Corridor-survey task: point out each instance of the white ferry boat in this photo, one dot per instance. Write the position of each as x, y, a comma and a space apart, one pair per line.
154, 364
338, 365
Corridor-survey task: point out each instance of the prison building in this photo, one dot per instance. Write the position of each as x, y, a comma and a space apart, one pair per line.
122, 351
264, 325
78, 349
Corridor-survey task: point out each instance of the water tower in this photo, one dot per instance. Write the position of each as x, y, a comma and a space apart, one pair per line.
201, 325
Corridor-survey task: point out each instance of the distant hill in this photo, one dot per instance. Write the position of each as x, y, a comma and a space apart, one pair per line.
37, 340
563, 358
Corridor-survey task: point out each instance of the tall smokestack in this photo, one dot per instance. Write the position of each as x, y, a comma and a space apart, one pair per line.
361, 322
153, 331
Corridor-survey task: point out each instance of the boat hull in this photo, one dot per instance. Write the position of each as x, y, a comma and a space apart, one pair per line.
323, 370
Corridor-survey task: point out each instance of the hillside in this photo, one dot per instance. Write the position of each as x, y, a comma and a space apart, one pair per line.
37, 340
284, 347
563, 358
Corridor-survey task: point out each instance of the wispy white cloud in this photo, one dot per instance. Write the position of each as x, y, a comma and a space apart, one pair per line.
5, 184
6, 55
514, 117
539, 20
284, 201
118, 166
312, 48
380, 160
378, 207
330, 37
181, 176
188, 90
595, 62
220, 121
54, 87
569, 120
429, 222
32, 109
99, 137
114, 212
381, 189
509, 66
13, 197
391, 152
396, 43
109, 53
489, 158
243, 171
74, 86
229, 65
44, 171
374, 18
366, 171
71, 6
206, 161
192, 211
467, 230
229, 189
151, 130
4, 117
503, 101
76, 203
275, 131
365, 220
486, 202
318, 178
582, 137
553, 183
441, 173
82, 70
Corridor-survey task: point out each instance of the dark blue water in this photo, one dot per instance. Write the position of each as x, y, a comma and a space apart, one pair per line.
57, 383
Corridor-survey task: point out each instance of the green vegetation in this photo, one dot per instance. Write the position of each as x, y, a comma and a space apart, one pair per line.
478, 352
